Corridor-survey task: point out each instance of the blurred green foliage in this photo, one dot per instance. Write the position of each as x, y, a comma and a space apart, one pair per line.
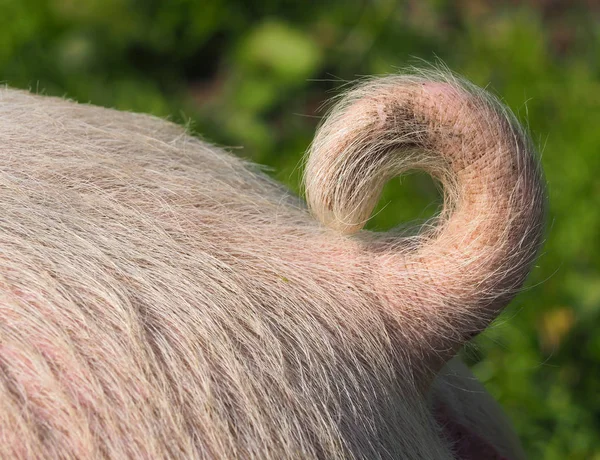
255, 74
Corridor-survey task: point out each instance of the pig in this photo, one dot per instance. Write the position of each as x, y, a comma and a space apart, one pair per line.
162, 298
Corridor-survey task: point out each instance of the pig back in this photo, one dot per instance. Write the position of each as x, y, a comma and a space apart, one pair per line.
160, 297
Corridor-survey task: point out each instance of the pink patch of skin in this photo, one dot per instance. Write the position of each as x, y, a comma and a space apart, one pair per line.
46, 401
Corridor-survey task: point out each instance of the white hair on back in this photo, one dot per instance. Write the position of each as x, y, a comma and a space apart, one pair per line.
160, 297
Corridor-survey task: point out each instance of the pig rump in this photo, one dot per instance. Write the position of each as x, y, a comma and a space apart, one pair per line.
161, 298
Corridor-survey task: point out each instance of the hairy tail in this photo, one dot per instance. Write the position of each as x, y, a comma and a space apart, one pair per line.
457, 275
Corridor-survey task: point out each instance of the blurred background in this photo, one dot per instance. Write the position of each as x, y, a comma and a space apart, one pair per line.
254, 76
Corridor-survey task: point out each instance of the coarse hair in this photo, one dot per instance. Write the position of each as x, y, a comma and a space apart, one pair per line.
160, 297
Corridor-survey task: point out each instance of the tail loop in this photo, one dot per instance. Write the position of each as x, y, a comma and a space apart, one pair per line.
491, 227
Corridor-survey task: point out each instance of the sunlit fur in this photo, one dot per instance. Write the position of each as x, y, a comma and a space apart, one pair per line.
160, 297
455, 275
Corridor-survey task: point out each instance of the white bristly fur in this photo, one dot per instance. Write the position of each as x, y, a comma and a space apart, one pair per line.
160, 297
